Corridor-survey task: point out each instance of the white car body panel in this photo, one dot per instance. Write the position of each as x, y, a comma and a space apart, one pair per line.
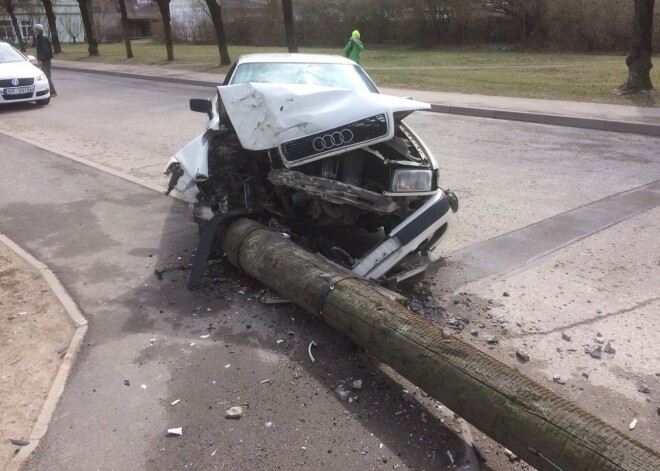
265, 116
21, 70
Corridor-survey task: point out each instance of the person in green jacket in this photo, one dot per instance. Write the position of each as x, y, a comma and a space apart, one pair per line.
354, 47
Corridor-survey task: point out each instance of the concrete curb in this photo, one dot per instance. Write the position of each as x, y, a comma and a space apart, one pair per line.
524, 116
57, 387
552, 119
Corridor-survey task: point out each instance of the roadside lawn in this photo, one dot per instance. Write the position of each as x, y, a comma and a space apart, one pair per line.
579, 77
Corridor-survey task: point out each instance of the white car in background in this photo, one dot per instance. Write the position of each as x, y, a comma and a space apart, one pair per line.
20, 80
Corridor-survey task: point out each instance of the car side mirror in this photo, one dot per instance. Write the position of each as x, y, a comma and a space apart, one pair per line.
201, 105
32, 59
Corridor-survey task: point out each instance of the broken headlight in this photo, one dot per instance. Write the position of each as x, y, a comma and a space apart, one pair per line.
407, 181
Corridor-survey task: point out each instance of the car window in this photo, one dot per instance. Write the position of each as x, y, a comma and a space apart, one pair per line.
347, 76
9, 54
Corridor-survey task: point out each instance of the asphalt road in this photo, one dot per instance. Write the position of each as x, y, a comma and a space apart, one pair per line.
104, 236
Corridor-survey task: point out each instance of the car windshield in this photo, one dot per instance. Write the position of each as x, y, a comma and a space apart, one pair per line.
346, 76
9, 54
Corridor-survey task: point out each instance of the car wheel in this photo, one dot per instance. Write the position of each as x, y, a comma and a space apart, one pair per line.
45, 101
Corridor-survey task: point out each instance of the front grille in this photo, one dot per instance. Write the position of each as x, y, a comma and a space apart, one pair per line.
22, 82
361, 131
22, 96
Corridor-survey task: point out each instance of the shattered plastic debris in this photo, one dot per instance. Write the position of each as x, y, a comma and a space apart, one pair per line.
268, 424
175, 432
235, 412
633, 424
342, 393
174, 403
143, 386
309, 349
204, 336
357, 384
279, 341
451, 456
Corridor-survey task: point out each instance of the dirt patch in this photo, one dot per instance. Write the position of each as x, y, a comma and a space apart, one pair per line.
34, 330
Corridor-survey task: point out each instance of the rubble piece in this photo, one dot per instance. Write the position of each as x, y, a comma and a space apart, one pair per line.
522, 355
19, 442
357, 384
279, 341
127, 382
609, 348
596, 352
511, 455
424, 419
633, 424
475, 333
175, 432
505, 294
492, 340
586, 375
235, 412
565, 336
446, 333
644, 389
600, 339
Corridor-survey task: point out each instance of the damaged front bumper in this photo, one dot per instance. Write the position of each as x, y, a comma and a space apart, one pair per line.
422, 229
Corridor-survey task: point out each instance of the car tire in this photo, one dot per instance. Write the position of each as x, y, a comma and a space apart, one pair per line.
43, 102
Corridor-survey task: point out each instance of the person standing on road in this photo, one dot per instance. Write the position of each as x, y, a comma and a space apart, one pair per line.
44, 55
354, 47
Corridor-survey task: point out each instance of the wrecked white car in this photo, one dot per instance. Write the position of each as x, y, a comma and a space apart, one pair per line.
307, 145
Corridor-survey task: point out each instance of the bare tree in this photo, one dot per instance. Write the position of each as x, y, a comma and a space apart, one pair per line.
86, 13
289, 25
164, 8
216, 16
52, 26
72, 25
125, 29
9, 7
639, 59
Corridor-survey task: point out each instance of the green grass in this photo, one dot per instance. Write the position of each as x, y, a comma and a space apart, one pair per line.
580, 77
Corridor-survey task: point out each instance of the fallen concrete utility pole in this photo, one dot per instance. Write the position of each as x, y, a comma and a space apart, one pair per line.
545, 430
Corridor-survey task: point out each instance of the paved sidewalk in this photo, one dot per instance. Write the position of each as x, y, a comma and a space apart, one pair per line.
618, 118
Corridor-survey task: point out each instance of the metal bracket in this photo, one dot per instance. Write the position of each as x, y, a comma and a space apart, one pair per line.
330, 285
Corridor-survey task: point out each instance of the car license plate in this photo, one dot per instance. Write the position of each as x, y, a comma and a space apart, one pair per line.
18, 90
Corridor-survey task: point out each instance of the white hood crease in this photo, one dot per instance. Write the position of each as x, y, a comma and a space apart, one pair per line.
265, 116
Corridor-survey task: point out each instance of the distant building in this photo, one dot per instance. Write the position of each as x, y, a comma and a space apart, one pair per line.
142, 16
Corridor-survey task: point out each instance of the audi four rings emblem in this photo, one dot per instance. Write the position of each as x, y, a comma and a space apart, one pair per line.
15, 82
330, 141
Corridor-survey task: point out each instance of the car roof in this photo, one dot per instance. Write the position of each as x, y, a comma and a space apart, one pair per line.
297, 58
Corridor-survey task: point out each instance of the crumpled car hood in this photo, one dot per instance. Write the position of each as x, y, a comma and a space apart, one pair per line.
265, 116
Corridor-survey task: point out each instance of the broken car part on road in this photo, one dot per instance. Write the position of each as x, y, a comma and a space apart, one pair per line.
307, 145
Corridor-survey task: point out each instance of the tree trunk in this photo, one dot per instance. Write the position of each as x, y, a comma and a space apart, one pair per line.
216, 16
86, 14
164, 7
639, 59
545, 430
289, 25
14, 21
125, 29
52, 26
